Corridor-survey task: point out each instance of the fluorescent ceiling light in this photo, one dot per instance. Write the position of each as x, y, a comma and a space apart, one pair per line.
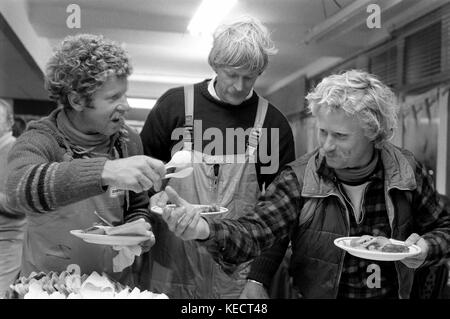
137, 103
208, 16
164, 79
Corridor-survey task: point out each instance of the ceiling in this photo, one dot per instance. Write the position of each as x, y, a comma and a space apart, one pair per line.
154, 33
20, 77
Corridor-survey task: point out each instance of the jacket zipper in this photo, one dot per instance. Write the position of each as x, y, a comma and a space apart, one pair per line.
392, 232
348, 202
341, 264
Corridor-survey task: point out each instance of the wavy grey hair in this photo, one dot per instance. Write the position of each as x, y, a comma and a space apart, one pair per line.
243, 44
362, 95
82, 64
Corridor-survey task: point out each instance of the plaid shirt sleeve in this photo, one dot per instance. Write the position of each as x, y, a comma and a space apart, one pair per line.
431, 217
232, 242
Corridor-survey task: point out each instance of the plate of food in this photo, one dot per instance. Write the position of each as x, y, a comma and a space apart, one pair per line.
205, 210
128, 234
377, 248
111, 240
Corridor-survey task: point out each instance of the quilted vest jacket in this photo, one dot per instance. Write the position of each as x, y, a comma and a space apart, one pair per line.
316, 263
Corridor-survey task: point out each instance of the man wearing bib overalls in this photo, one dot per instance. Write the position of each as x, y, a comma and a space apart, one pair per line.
238, 142
81, 164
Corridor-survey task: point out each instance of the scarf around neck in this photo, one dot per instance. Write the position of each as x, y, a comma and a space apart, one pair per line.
355, 176
96, 142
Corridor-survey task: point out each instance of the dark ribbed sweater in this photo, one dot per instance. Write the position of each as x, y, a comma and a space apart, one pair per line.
169, 114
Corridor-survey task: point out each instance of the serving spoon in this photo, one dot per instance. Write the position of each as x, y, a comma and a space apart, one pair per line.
180, 174
180, 159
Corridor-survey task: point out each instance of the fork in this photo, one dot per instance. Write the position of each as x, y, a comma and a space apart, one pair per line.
103, 219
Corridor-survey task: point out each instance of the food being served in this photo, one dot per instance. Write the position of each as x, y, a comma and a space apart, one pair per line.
395, 248
210, 208
378, 243
135, 228
96, 229
213, 209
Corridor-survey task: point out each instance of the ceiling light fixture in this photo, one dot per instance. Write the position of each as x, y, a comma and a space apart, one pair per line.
139, 103
208, 16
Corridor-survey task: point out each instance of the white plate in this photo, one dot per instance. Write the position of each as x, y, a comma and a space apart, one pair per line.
118, 240
223, 210
344, 243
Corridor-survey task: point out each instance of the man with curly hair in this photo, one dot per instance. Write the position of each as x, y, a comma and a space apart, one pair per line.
356, 183
81, 164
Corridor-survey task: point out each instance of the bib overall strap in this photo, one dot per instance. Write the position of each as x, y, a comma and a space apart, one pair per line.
255, 133
189, 117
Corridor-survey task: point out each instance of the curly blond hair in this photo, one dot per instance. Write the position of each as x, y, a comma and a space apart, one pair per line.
243, 44
362, 95
81, 64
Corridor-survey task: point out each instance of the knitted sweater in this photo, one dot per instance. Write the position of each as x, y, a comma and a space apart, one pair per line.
45, 173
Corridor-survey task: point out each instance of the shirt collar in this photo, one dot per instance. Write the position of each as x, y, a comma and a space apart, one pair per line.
213, 92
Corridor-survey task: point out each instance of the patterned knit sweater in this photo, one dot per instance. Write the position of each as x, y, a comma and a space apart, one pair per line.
46, 172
